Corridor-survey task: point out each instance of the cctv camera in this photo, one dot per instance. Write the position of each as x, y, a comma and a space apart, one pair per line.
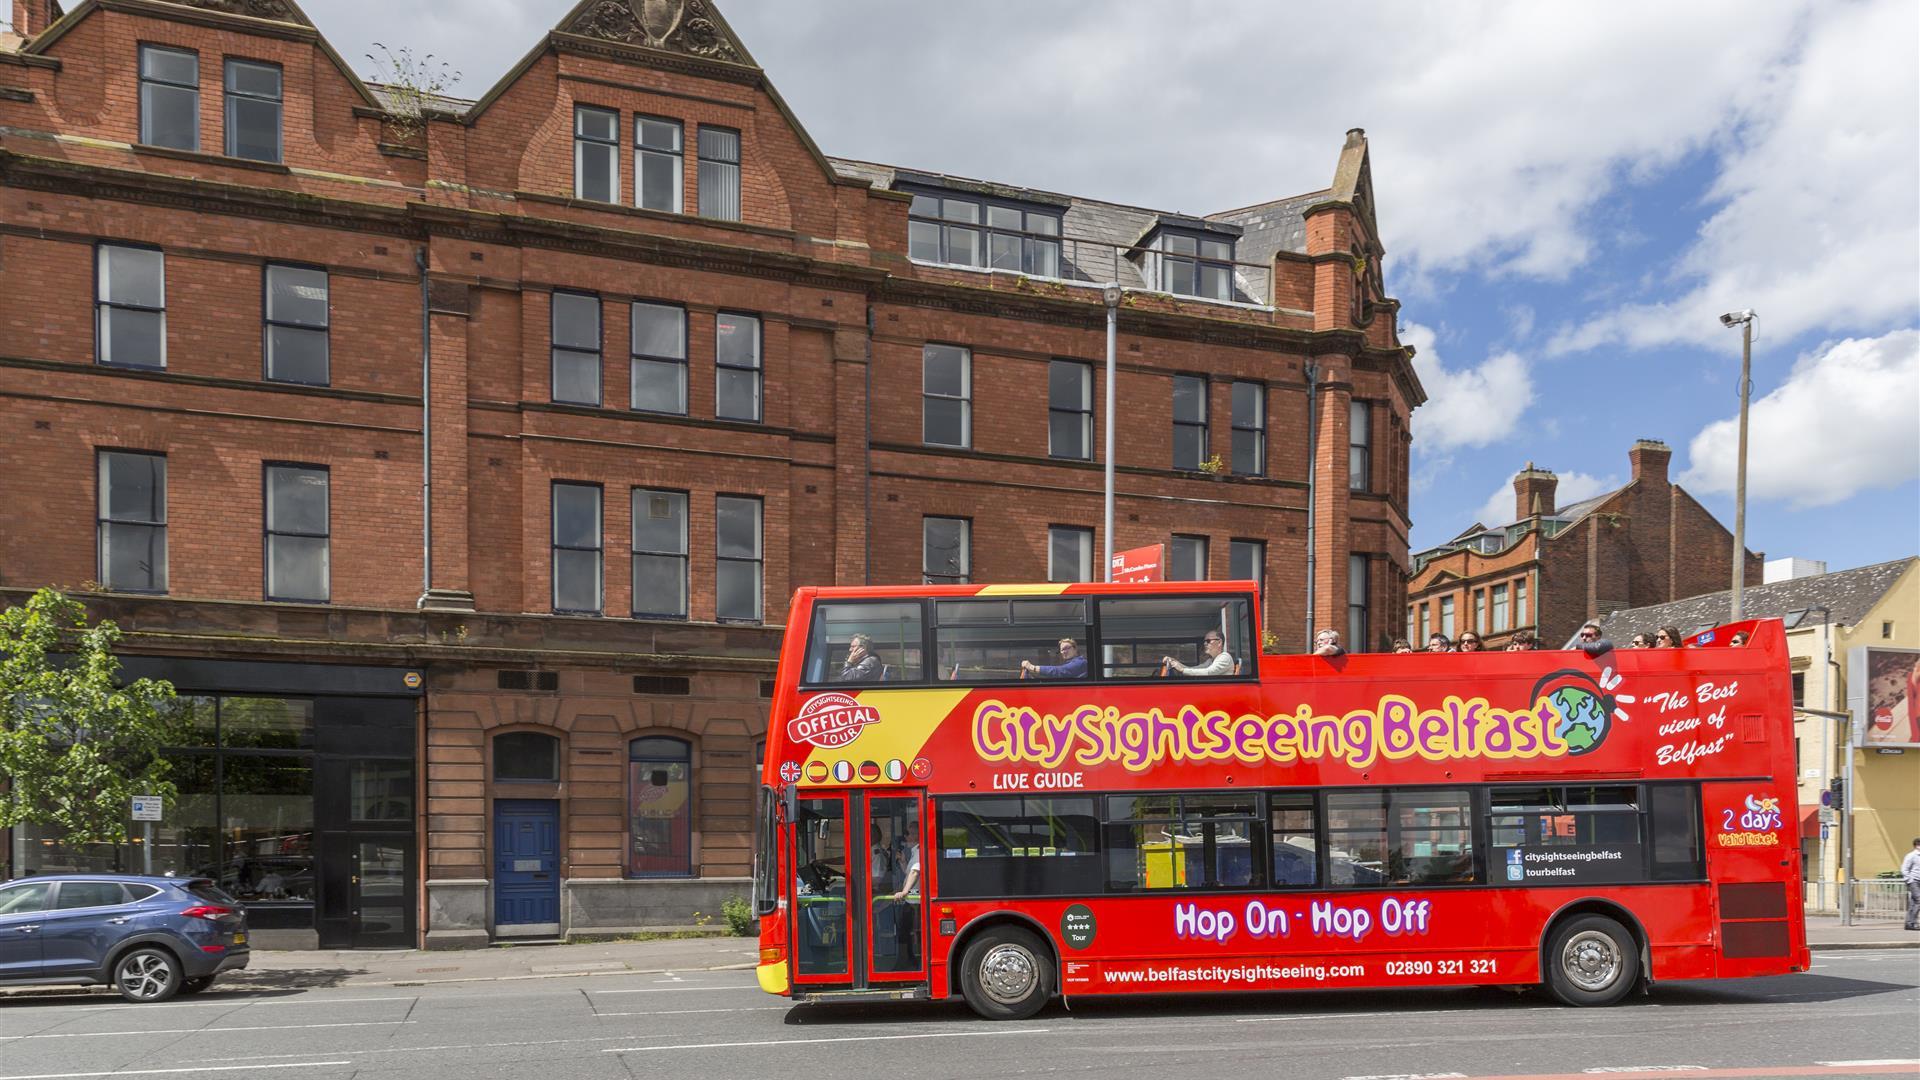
1727, 319
1735, 318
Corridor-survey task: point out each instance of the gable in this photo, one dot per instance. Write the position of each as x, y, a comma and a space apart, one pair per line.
692, 27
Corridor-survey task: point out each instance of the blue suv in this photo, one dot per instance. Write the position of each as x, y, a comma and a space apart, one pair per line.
148, 937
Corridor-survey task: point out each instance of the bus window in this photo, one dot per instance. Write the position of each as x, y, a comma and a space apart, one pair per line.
1180, 842
1412, 837
999, 640
820, 887
1296, 858
1136, 635
1674, 810
1566, 836
865, 643
1013, 846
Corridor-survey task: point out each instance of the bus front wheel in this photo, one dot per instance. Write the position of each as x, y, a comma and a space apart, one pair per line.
1006, 974
1592, 960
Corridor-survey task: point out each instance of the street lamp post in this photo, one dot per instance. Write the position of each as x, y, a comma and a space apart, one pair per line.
1111, 294
1744, 320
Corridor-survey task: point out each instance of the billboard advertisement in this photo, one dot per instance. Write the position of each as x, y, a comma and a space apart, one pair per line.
1883, 694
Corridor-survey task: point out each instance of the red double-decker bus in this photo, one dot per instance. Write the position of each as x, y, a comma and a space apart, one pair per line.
1009, 793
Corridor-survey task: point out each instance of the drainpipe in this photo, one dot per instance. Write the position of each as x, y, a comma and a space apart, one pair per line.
1313, 473
866, 457
426, 429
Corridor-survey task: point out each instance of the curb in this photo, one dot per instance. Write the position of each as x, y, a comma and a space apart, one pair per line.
1852, 946
24, 992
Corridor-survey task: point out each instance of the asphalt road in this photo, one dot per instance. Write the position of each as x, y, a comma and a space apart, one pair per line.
1856, 1013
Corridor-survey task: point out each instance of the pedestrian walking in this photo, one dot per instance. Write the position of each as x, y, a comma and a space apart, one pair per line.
1910, 873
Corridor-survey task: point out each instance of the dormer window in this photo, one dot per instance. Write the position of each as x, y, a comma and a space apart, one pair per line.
974, 230
1192, 264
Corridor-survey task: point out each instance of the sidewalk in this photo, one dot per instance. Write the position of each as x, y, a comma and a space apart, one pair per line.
1824, 932
416, 967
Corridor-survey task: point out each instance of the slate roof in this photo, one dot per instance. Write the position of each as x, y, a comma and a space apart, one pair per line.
1096, 235
1851, 594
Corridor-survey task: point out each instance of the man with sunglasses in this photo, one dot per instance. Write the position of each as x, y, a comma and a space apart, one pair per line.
1589, 640
1218, 660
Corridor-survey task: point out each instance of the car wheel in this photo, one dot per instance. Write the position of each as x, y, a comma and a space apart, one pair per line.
1007, 974
195, 985
1592, 960
147, 974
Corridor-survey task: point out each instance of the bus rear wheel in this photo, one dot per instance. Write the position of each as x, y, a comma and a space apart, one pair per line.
1592, 960
1006, 974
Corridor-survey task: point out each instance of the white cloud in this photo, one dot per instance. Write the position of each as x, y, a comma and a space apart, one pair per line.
1495, 128
1474, 406
1817, 225
1846, 420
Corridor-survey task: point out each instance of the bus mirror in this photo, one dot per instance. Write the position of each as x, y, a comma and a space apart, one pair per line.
787, 800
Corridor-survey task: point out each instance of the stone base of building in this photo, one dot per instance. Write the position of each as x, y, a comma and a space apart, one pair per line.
460, 910
613, 905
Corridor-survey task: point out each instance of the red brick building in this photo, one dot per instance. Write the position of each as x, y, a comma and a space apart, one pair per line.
501, 648
1554, 567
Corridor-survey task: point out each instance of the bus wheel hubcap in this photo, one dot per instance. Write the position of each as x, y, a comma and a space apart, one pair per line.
1591, 960
1008, 974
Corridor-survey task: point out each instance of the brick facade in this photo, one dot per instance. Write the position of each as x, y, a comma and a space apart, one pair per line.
1648, 542
481, 195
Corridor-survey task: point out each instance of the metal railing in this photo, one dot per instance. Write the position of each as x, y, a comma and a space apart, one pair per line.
1872, 898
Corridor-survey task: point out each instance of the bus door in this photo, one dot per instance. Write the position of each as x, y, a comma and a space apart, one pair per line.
892, 889
858, 919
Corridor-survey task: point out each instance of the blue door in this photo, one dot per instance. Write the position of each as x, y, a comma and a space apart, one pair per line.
526, 867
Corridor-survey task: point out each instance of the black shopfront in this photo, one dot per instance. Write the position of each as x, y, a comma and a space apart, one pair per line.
296, 791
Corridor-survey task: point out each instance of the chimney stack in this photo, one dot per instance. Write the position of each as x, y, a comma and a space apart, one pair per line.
31, 17
1533, 492
1649, 458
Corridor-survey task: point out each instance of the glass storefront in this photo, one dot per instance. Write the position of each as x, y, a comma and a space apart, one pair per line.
260, 776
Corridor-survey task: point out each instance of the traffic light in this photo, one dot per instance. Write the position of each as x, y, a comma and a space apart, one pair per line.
1836, 792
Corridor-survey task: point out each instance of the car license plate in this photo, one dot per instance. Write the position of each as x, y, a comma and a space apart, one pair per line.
240, 938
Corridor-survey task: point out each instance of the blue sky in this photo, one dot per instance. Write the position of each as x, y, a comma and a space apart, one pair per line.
1569, 195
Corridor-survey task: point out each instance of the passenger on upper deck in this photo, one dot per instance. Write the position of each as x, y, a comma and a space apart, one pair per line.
862, 665
1327, 643
1219, 660
1072, 665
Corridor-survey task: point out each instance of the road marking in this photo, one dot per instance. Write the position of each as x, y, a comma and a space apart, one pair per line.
1411, 1076
1871, 1061
840, 1039
235, 1001
173, 1072
1645, 1068
668, 989
202, 1030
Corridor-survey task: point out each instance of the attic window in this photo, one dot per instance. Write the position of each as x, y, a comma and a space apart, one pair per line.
968, 230
1193, 264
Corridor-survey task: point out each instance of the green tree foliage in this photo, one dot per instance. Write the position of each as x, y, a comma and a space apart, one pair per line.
75, 744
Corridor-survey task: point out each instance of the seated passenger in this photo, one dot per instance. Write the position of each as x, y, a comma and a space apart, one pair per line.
1072, 665
1218, 660
862, 665
1327, 643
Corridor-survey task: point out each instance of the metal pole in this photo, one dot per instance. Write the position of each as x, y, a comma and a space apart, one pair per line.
1846, 833
1740, 481
1313, 473
1112, 296
146, 848
426, 428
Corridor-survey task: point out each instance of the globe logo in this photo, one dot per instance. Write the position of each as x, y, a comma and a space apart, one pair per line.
1582, 708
